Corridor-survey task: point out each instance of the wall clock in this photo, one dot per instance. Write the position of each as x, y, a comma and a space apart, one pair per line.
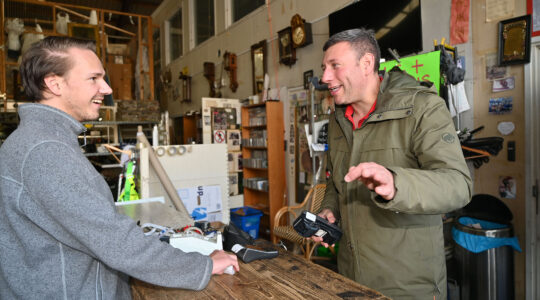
301, 32
287, 54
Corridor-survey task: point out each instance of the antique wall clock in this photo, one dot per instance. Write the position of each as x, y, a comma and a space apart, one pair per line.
287, 54
301, 32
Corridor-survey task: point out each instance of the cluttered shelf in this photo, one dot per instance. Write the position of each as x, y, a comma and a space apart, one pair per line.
264, 159
259, 169
101, 154
117, 48
255, 189
93, 137
262, 104
255, 126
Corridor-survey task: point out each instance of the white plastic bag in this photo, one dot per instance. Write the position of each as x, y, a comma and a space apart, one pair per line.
62, 19
14, 28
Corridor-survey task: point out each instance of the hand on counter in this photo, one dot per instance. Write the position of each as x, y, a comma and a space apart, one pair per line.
221, 260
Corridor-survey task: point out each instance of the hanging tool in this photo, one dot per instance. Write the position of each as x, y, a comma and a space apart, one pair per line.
229, 61
210, 75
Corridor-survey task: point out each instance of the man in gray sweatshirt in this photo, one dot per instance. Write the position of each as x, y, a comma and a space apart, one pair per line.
60, 235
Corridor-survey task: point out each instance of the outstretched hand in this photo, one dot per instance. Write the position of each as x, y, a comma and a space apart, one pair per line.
375, 177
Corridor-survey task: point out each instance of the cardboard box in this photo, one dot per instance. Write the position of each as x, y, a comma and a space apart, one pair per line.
117, 49
202, 202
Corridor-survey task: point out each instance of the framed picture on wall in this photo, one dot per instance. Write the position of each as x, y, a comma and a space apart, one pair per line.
515, 41
307, 78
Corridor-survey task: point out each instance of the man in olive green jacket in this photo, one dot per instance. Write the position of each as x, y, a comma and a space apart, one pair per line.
395, 166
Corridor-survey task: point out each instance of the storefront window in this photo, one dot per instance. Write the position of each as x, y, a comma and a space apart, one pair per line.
204, 20
241, 8
175, 35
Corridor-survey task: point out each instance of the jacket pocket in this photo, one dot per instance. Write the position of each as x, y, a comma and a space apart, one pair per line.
386, 153
340, 161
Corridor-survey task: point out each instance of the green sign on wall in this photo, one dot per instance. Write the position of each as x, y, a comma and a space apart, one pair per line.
423, 67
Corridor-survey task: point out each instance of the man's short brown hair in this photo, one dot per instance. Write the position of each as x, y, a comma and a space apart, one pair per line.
48, 57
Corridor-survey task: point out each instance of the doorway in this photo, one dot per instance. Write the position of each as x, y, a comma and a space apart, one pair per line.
532, 140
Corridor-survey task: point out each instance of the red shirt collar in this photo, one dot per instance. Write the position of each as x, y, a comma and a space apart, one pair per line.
349, 112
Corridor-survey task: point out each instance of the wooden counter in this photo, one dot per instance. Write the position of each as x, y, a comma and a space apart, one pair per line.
288, 276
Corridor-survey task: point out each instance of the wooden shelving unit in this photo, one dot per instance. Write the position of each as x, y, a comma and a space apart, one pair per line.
270, 197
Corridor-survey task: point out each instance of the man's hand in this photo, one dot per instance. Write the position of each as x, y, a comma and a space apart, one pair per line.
329, 215
375, 177
221, 260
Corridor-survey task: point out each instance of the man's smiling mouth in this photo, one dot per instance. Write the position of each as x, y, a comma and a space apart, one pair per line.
334, 88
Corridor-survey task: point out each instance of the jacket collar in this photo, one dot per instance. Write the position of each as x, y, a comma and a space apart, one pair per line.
49, 116
395, 100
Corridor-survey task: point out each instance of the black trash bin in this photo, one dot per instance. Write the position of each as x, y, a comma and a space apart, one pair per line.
484, 250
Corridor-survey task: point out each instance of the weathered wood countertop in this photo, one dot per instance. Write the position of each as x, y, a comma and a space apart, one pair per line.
288, 276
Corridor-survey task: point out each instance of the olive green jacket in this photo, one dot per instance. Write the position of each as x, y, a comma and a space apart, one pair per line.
396, 246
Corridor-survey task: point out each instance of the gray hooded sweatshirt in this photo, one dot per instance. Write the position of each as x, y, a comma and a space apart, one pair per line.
60, 235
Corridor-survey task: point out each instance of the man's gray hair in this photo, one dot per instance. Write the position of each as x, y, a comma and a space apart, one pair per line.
361, 40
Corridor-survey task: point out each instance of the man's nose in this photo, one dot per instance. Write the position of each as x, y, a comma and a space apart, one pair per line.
105, 89
327, 76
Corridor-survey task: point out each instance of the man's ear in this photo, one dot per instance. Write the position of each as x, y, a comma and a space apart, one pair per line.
368, 62
53, 83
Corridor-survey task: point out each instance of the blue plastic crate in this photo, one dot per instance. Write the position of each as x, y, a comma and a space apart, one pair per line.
248, 219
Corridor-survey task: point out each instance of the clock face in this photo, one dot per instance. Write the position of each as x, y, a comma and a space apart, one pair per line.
284, 40
298, 35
